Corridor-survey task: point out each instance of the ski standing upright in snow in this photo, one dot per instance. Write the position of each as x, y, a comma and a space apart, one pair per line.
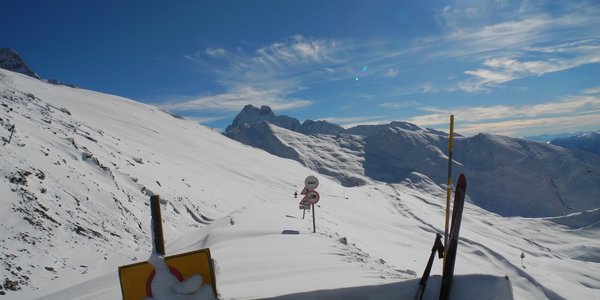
451, 248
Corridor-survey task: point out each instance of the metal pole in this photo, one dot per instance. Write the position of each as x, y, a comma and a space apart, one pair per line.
157, 230
437, 246
449, 183
303, 213
314, 224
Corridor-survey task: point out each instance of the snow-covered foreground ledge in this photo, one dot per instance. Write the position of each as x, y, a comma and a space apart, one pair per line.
479, 287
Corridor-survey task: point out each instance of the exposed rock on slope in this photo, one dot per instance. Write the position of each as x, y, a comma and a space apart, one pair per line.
253, 115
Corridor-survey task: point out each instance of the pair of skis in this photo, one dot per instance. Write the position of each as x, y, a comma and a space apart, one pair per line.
449, 252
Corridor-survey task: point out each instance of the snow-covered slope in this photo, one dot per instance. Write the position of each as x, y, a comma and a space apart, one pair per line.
340, 156
80, 166
76, 176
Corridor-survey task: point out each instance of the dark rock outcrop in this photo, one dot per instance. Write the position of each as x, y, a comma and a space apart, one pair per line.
10, 60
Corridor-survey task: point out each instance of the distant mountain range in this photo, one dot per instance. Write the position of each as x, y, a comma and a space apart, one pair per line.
509, 176
587, 141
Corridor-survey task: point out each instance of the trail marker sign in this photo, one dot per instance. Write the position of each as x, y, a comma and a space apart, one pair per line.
136, 279
304, 191
311, 182
304, 204
312, 197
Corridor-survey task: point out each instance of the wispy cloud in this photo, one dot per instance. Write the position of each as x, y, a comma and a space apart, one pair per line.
524, 127
269, 75
499, 70
235, 99
297, 51
481, 46
215, 52
391, 73
357, 120
592, 91
399, 105
533, 43
569, 105
207, 119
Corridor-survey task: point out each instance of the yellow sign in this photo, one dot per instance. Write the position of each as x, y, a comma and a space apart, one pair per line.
136, 279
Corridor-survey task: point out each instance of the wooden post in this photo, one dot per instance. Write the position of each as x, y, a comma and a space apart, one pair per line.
314, 224
157, 230
448, 184
12, 130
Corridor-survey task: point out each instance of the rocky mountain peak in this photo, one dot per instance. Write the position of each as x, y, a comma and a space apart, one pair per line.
10, 60
251, 115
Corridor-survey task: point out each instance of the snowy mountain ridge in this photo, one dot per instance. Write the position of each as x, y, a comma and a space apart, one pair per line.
76, 176
587, 141
550, 181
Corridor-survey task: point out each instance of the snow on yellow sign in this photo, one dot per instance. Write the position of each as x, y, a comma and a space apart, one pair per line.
136, 279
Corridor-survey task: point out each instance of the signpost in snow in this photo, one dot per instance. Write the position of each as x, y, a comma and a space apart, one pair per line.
304, 205
163, 277
311, 182
187, 269
311, 197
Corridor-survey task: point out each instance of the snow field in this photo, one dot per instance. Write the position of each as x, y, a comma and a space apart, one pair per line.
69, 232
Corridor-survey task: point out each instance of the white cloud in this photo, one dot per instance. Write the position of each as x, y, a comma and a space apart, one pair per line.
205, 119
533, 126
504, 69
513, 41
399, 105
391, 73
492, 48
592, 91
215, 52
271, 75
483, 79
568, 106
295, 52
235, 100
349, 122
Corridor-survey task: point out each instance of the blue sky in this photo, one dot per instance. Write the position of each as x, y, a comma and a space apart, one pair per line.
509, 67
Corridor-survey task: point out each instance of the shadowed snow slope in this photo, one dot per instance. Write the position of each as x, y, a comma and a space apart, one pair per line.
77, 174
